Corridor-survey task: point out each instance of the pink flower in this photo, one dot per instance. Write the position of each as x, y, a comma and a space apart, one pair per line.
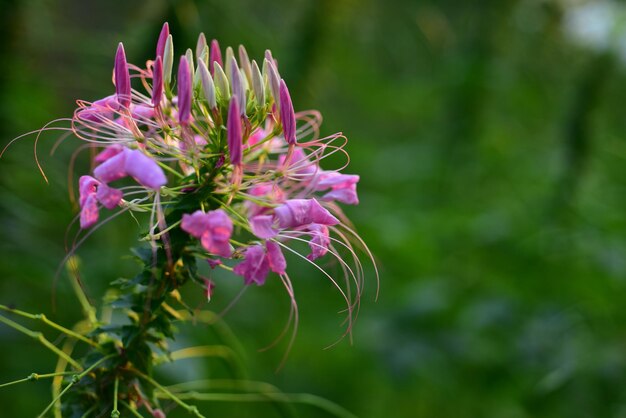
258, 261
213, 229
298, 212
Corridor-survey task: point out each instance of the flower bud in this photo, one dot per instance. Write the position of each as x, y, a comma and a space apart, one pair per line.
208, 88
184, 91
215, 56
244, 61
228, 61
200, 45
221, 82
168, 60
204, 56
234, 134
273, 80
157, 82
258, 84
287, 114
122, 77
237, 85
189, 56
165, 32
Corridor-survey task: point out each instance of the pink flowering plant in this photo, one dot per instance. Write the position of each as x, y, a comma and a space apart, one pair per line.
224, 172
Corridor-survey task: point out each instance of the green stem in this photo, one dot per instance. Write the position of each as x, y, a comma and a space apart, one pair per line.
132, 410
35, 376
302, 398
115, 413
45, 320
75, 379
43, 340
189, 408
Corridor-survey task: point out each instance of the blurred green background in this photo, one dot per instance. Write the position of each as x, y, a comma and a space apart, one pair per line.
491, 142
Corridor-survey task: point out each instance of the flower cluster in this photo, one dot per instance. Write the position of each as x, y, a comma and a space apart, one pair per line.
224, 136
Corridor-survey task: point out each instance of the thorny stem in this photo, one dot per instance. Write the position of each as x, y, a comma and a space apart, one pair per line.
43, 340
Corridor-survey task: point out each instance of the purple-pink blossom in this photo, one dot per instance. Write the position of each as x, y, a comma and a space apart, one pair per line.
259, 260
213, 229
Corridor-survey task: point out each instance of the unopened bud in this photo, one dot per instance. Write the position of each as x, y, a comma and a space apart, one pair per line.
208, 88
215, 55
200, 45
221, 82
165, 32
273, 80
168, 60
244, 62
237, 85
258, 84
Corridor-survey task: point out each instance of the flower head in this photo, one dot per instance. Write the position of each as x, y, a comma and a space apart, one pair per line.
225, 159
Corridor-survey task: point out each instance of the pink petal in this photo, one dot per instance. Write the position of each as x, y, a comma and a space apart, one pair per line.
144, 170
334, 179
220, 224
108, 152
89, 213
255, 266
86, 187
320, 215
195, 224
319, 241
263, 226
298, 212
112, 169
275, 257
345, 195
142, 112
214, 246
108, 196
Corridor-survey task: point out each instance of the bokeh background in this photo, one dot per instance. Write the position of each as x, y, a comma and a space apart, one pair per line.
490, 137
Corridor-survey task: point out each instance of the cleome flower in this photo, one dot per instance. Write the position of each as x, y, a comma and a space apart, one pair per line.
220, 153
